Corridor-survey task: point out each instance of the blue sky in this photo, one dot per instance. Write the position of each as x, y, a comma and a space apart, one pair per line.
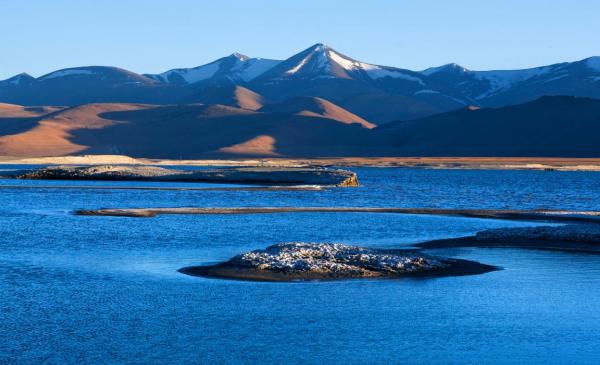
152, 36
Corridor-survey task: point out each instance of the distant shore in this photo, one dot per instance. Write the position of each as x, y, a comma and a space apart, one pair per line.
483, 163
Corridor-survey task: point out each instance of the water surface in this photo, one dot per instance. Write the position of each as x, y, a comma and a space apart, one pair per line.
81, 289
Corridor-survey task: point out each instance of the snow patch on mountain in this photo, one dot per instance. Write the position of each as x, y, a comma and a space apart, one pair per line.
67, 72
192, 75
319, 59
348, 64
249, 69
426, 91
450, 66
298, 67
236, 67
381, 72
240, 56
504, 79
373, 71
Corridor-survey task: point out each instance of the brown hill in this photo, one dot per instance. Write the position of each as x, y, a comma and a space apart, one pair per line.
552, 126
51, 133
19, 111
315, 107
383, 108
232, 95
182, 131
548, 127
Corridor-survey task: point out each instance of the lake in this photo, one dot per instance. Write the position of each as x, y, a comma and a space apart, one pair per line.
84, 289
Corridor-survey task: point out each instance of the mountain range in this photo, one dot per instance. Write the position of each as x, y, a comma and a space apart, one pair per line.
376, 94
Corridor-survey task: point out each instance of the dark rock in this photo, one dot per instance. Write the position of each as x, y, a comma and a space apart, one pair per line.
243, 175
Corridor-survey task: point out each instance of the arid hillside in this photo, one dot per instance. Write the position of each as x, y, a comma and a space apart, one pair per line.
300, 128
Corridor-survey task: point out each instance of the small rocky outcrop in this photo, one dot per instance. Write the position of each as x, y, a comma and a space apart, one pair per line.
318, 261
242, 175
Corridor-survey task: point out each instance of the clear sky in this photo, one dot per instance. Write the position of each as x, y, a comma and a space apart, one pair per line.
39, 36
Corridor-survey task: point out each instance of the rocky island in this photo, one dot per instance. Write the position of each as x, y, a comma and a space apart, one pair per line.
299, 261
240, 175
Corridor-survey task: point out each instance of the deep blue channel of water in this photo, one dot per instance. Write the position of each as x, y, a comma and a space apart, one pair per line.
104, 290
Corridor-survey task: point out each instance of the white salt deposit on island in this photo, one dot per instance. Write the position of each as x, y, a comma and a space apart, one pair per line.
335, 258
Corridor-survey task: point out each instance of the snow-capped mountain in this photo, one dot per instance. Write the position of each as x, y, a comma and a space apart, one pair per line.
321, 71
321, 62
503, 87
233, 68
376, 93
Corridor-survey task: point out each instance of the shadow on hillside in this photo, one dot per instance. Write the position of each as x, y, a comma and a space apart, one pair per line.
199, 131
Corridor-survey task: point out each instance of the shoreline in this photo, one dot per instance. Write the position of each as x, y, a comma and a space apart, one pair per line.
262, 176
303, 261
460, 163
236, 188
226, 271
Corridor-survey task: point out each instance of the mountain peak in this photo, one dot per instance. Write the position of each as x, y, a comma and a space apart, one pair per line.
239, 56
449, 67
320, 61
21, 78
319, 47
232, 68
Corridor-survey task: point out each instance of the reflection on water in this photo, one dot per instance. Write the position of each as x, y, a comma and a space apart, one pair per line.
105, 289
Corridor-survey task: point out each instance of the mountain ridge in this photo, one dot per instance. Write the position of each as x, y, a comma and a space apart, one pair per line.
376, 93
551, 126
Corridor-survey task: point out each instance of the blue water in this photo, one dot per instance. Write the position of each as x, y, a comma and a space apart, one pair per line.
89, 290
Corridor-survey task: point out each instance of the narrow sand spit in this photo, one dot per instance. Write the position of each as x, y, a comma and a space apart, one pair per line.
571, 237
533, 215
